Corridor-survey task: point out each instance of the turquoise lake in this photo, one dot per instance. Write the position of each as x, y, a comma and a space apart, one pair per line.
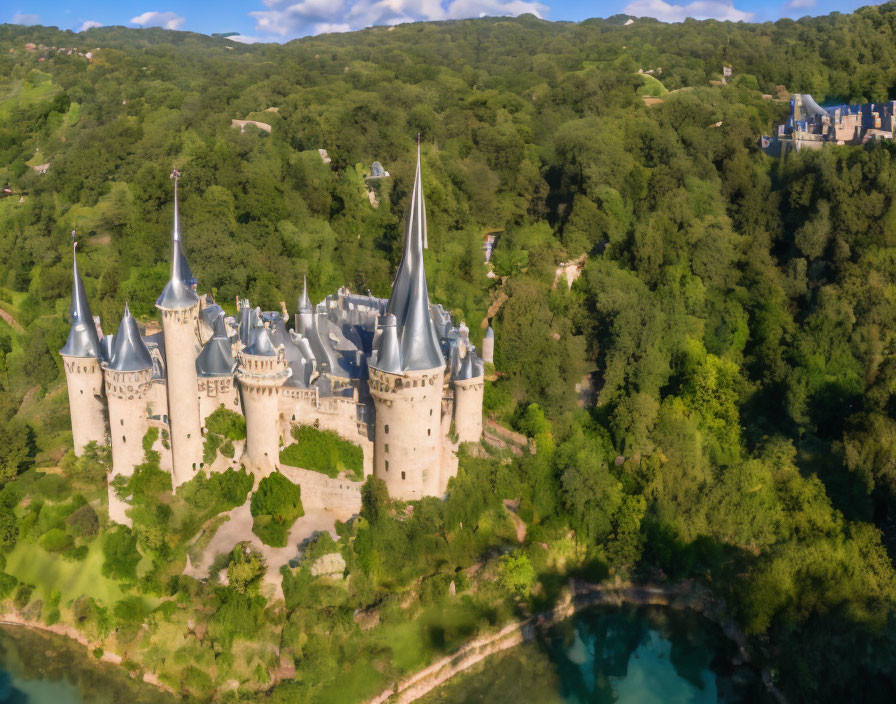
619, 656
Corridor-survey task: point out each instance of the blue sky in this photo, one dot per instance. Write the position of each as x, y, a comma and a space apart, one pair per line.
282, 20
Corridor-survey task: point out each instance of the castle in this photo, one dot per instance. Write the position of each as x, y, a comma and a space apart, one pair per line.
811, 126
395, 376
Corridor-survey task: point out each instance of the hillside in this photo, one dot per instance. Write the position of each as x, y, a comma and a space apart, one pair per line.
737, 314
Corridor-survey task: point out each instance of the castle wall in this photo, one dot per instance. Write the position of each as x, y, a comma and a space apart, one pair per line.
407, 437
84, 379
127, 394
468, 395
320, 491
488, 349
180, 328
215, 392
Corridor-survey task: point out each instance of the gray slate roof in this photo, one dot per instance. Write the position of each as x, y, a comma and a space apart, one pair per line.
409, 303
178, 292
83, 340
216, 357
129, 352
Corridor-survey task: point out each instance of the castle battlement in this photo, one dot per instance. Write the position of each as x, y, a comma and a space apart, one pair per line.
390, 375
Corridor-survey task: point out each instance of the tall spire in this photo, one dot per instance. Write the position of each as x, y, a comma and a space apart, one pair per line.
178, 292
83, 340
304, 301
129, 352
409, 302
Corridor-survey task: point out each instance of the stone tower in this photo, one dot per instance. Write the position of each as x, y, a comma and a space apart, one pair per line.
488, 346
127, 374
469, 388
81, 358
407, 373
179, 307
262, 371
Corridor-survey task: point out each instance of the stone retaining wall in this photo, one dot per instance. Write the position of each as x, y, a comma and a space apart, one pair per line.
320, 491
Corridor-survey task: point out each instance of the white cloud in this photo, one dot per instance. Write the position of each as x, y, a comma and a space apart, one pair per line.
244, 39
168, 20
698, 10
287, 18
797, 4
89, 24
24, 18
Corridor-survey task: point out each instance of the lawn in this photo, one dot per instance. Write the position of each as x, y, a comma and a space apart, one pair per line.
32, 564
652, 86
323, 451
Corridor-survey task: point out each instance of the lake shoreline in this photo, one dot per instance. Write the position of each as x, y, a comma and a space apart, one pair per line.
578, 596
17, 620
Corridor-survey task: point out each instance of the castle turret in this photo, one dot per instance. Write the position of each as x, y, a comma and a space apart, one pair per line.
469, 388
179, 306
305, 313
127, 375
407, 373
81, 357
262, 371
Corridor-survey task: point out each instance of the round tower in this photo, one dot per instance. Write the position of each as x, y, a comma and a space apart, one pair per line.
127, 379
407, 441
262, 371
179, 307
81, 359
407, 373
468, 395
488, 346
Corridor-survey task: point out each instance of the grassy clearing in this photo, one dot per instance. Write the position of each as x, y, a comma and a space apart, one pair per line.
651, 86
32, 564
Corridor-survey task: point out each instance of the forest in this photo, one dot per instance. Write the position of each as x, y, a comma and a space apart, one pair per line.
714, 398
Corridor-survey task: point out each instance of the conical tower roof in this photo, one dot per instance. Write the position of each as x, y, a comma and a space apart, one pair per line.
216, 358
83, 340
409, 303
305, 302
178, 292
129, 352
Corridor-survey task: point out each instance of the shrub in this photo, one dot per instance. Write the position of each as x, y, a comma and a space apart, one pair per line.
55, 540
23, 595
54, 487
227, 449
275, 507
76, 554
323, 451
245, 569
516, 573
226, 423
7, 584
150, 439
210, 448
83, 522
120, 552
219, 492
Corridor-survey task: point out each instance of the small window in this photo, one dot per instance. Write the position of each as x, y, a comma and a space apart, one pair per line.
122, 421
387, 465
402, 476
429, 432
188, 436
430, 412
82, 392
194, 466
387, 447
387, 430
123, 438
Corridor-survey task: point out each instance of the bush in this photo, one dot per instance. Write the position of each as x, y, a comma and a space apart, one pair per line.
76, 554
226, 423
275, 507
227, 449
55, 540
219, 492
83, 522
323, 451
150, 439
210, 448
54, 487
23, 595
120, 552
7, 584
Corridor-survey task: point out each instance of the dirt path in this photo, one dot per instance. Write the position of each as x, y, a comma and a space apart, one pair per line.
12, 322
239, 529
